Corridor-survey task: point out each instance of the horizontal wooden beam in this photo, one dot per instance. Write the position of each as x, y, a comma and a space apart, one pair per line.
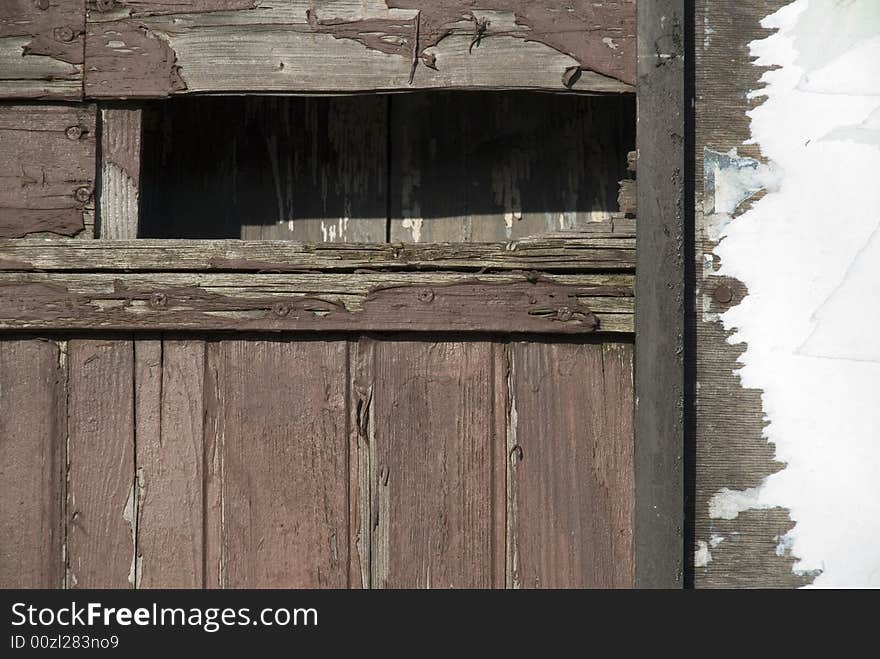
581, 252
416, 301
150, 49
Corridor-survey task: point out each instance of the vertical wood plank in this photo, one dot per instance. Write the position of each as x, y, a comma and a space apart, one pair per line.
102, 496
270, 168
434, 511
169, 403
120, 172
283, 444
32, 453
362, 430
497, 166
573, 466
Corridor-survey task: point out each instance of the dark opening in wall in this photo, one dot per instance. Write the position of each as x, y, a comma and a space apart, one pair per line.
425, 167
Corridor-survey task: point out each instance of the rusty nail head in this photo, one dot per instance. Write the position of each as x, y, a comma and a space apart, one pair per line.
74, 132
426, 295
105, 5
158, 300
42, 5
280, 309
723, 294
82, 195
564, 314
65, 34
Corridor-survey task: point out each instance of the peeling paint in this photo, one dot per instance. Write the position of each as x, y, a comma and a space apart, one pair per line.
702, 555
809, 255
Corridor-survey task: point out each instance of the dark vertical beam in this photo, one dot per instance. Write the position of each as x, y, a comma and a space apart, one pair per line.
660, 294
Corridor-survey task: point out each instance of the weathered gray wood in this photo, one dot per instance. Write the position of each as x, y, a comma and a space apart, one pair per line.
41, 49
731, 451
33, 416
306, 169
492, 167
564, 304
120, 172
102, 492
153, 49
47, 169
570, 450
282, 447
605, 247
434, 508
660, 316
169, 379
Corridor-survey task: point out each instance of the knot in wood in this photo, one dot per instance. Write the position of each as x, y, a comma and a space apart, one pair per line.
83, 194
74, 132
516, 454
426, 295
105, 5
158, 300
564, 314
280, 309
65, 34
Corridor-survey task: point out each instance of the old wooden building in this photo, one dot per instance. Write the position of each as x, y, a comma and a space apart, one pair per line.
342, 293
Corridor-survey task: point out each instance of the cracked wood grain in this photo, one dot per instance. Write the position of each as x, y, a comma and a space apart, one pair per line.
33, 432
102, 492
155, 49
41, 49
571, 466
47, 170
282, 446
563, 304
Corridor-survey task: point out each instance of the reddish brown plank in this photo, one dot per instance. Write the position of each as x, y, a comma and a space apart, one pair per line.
47, 169
571, 466
32, 433
434, 522
279, 421
41, 48
102, 497
169, 379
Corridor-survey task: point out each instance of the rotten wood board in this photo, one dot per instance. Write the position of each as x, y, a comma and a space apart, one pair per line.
563, 304
436, 502
494, 167
169, 412
41, 49
120, 172
150, 49
47, 170
33, 428
279, 503
570, 466
582, 252
730, 448
268, 168
101, 524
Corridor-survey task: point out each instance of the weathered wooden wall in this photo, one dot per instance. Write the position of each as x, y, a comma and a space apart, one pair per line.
731, 451
151, 461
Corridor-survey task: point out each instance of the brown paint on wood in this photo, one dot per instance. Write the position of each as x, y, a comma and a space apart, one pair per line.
490, 304
435, 514
47, 168
33, 401
283, 455
120, 172
137, 8
103, 497
572, 465
128, 58
600, 36
169, 385
41, 49
490, 167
